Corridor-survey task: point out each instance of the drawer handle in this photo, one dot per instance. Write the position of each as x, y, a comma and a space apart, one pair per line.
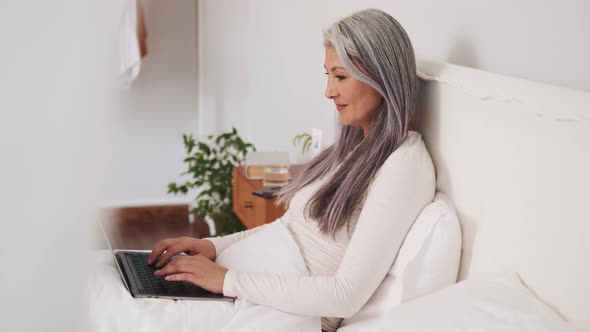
248, 205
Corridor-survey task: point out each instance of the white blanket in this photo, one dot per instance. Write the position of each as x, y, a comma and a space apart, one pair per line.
270, 250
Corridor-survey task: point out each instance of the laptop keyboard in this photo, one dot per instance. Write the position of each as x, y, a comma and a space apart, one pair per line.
152, 284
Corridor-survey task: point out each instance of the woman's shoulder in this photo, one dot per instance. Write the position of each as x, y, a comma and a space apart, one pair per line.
412, 152
413, 140
409, 165
413, 144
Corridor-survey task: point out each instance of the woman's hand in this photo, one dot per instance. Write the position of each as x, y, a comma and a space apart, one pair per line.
197, 270
168, 248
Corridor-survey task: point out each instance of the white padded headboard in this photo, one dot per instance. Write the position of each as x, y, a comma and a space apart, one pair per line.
514, 157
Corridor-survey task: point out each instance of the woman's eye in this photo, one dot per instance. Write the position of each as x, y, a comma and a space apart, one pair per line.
338, 77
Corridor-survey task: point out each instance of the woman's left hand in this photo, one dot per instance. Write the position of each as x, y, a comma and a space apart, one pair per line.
197, 270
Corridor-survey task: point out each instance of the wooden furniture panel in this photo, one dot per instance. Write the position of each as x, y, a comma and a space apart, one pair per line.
140, 227
252, 210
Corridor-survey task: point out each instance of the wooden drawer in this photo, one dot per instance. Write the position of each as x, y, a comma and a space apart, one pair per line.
244, 201
252, 210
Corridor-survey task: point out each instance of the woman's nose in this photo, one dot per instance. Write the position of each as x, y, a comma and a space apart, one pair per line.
330, 91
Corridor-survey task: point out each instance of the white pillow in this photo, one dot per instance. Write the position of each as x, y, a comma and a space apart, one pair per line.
499, 304
428, 260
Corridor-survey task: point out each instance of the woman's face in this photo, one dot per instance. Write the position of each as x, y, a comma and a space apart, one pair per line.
355, 101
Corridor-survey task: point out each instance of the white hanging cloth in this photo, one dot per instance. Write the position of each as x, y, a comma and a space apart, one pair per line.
131, 47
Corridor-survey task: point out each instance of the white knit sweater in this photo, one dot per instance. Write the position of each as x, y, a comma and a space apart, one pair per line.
345, 270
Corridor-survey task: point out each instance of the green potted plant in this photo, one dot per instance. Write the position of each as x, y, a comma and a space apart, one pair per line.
310, 145
304, 139
210, 164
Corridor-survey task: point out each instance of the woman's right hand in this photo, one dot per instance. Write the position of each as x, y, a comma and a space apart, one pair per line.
168, 248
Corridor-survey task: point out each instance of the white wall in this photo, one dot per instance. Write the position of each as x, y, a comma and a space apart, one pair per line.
264, 58
161, 104
54, 111
261, 69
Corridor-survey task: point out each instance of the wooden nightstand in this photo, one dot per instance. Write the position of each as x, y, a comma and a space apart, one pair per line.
253, 210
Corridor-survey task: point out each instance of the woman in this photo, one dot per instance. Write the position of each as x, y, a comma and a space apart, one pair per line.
352, 206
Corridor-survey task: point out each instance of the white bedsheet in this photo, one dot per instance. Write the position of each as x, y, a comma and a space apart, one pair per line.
111, 307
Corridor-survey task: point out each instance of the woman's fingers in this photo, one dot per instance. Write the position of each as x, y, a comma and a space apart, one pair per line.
166, 249
187, 264
172, 251
197, 270
158, 249
182, 277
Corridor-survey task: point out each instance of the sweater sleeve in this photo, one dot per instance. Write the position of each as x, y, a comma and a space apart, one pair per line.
403, 186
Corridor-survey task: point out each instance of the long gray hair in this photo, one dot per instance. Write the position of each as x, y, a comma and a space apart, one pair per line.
374, 48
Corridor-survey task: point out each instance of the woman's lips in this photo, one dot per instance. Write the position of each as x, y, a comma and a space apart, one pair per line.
340, 107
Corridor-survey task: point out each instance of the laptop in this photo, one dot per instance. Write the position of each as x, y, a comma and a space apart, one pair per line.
140, 281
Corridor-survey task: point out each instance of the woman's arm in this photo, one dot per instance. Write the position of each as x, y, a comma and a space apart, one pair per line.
403, 186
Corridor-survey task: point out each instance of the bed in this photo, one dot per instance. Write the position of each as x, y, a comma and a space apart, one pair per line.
514, 157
